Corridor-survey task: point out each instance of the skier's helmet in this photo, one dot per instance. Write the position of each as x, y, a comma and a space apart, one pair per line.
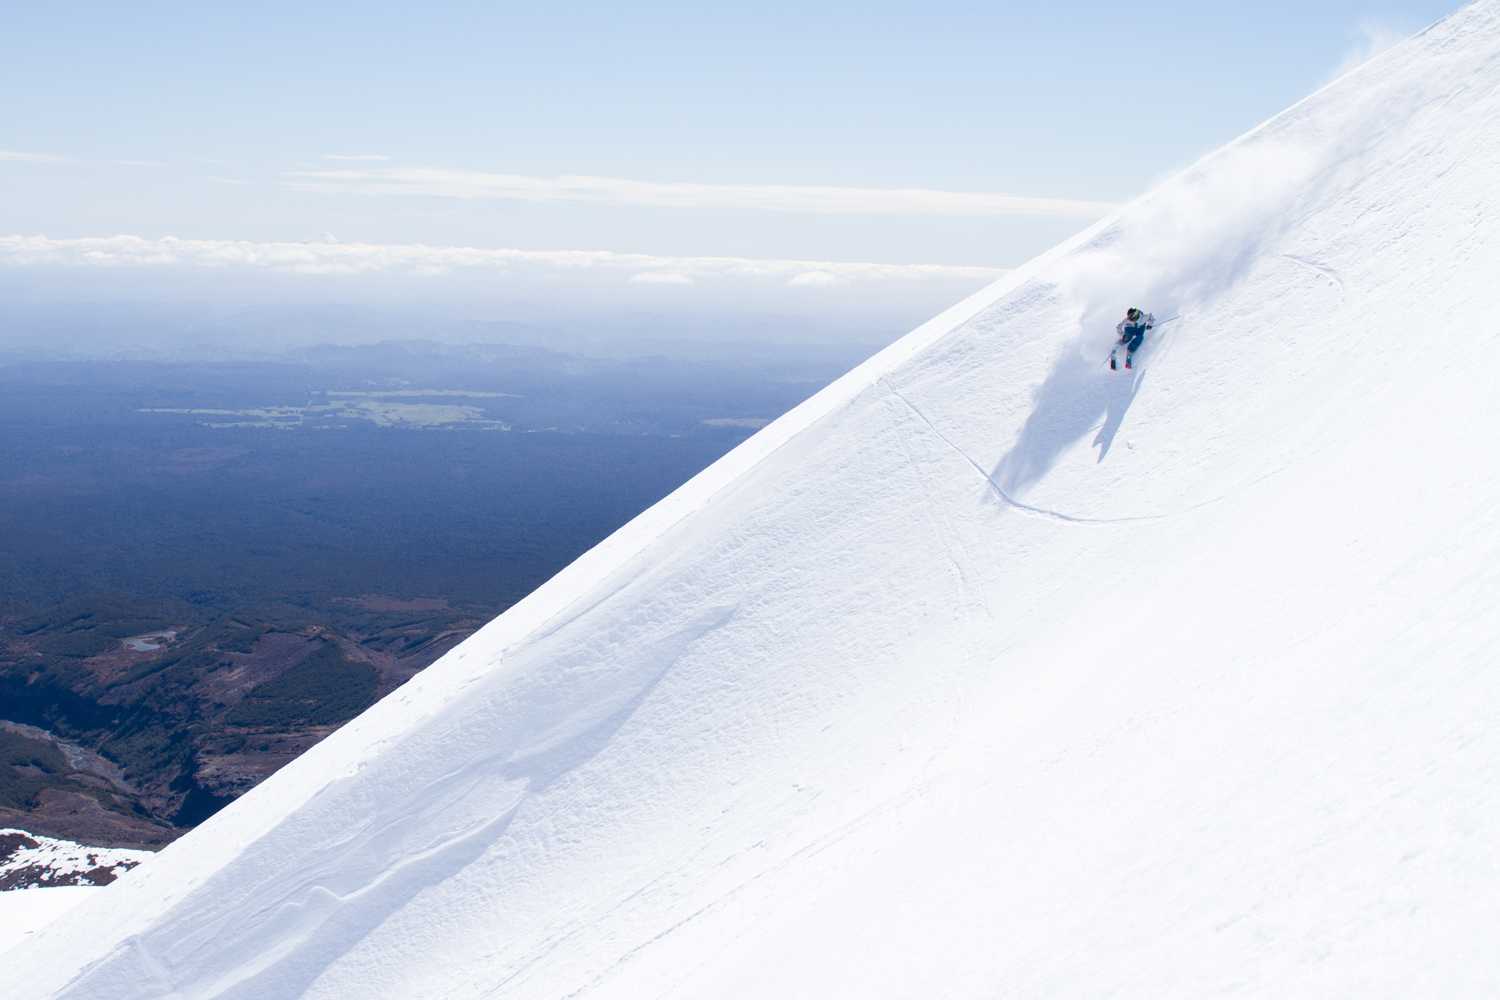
1132, 313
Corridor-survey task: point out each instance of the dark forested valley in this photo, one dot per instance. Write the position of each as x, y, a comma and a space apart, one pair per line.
207, 566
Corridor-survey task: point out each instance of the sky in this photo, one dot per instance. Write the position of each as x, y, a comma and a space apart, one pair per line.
941, 133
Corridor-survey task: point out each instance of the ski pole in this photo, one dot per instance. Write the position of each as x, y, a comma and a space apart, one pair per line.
1153, 326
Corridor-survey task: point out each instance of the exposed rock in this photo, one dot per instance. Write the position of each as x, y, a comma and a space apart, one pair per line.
34, 862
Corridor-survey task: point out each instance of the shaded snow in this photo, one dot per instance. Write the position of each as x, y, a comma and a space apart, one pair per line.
984, 672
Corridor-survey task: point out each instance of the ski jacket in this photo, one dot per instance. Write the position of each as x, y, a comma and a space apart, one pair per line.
1147, 320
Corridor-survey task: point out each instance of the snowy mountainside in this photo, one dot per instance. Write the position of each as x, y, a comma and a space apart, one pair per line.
985, 672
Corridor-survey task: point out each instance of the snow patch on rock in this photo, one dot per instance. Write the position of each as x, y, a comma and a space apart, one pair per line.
30, 861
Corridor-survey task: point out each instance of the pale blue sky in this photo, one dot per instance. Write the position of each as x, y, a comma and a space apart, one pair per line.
952, 139
193, 119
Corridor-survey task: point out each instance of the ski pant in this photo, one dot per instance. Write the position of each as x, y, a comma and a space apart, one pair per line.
1135, 334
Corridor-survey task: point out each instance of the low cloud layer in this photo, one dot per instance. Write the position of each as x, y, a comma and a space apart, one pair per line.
324, 257
444, 183
588, 295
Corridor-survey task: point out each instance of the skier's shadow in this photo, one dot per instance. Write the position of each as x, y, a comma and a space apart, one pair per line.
1072, 400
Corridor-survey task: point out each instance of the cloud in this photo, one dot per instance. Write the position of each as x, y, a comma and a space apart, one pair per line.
132, 252
126, 292
360, 156
15, 157
660, 278
816, 279
440, 182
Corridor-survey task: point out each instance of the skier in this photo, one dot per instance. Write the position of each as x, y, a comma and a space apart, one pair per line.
1132, 330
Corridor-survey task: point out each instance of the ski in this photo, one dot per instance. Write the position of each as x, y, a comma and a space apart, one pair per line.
1128, 366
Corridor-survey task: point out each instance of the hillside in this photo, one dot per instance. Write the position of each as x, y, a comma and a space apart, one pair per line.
984, 672
126, 720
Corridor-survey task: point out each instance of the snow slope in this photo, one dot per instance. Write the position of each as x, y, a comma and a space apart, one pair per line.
984, 673
24, 911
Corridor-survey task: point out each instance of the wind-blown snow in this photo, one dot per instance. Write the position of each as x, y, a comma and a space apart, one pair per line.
985, 672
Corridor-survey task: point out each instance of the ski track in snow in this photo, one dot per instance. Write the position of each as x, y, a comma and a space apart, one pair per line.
810, 850
1039, 512
1319, 269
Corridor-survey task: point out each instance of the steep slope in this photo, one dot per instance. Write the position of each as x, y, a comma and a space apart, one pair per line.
984, 672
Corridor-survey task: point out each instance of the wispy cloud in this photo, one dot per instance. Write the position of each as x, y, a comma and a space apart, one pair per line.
117, 252
15, 157
360, 156
817, 279
661, 278
443, 183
